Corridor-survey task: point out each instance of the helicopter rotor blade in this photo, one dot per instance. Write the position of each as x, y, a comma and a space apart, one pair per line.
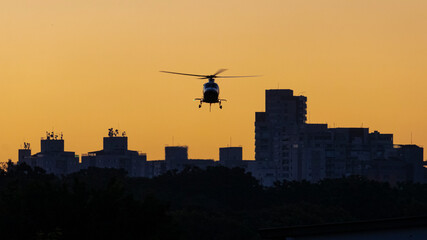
219, 71
209, 76
237, 76
187, 74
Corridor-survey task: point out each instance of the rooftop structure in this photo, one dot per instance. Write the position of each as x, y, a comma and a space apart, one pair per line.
115, 154
231, 157
52, 156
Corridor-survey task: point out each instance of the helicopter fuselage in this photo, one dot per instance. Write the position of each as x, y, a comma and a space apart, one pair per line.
210, 92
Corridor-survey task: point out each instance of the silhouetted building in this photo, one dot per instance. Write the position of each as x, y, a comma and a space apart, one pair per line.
285, 114
231, 157
277, 132
265, 172
155, 168
24, 155
338, 152
201, 163
52, 157
392, 170
287, 148
413, 156
176, 157
115, 154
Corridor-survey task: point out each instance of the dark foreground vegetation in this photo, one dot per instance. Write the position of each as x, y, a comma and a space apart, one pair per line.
217, 203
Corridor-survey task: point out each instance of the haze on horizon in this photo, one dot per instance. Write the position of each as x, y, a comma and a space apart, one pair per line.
81, 67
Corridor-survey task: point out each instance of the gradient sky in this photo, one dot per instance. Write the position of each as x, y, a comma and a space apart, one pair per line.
83, 66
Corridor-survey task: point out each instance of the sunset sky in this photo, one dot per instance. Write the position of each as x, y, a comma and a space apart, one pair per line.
83, 66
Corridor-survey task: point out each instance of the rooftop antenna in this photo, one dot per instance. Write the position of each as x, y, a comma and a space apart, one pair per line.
411, 137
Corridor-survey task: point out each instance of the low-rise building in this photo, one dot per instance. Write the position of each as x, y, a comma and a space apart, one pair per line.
232, 157
115, 154
52, 156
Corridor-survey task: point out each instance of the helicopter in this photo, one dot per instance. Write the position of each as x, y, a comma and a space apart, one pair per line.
210, 89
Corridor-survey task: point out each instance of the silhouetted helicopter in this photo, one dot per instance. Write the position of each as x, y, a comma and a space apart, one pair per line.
210, 89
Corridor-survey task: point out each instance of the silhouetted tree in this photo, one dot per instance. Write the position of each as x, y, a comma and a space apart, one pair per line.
216, 203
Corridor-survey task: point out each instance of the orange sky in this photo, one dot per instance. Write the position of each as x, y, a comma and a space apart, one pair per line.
80, 67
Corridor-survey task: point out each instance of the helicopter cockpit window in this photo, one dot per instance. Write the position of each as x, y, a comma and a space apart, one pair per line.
210, 85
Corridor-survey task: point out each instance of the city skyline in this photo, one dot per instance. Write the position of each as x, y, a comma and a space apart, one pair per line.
286, 148
173, 143
289, 111
358, 63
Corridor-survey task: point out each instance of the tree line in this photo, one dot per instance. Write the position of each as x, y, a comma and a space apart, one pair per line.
216, 203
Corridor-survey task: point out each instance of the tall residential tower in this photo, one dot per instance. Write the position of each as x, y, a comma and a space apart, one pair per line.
277, 132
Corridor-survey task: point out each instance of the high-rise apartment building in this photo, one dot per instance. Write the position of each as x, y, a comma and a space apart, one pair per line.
288, 148
277, 133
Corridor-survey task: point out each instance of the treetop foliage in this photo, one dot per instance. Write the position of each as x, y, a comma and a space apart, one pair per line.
216, 203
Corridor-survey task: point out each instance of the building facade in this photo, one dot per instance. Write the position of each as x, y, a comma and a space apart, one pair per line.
52, 156
115, 154
232, 157
288, 148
